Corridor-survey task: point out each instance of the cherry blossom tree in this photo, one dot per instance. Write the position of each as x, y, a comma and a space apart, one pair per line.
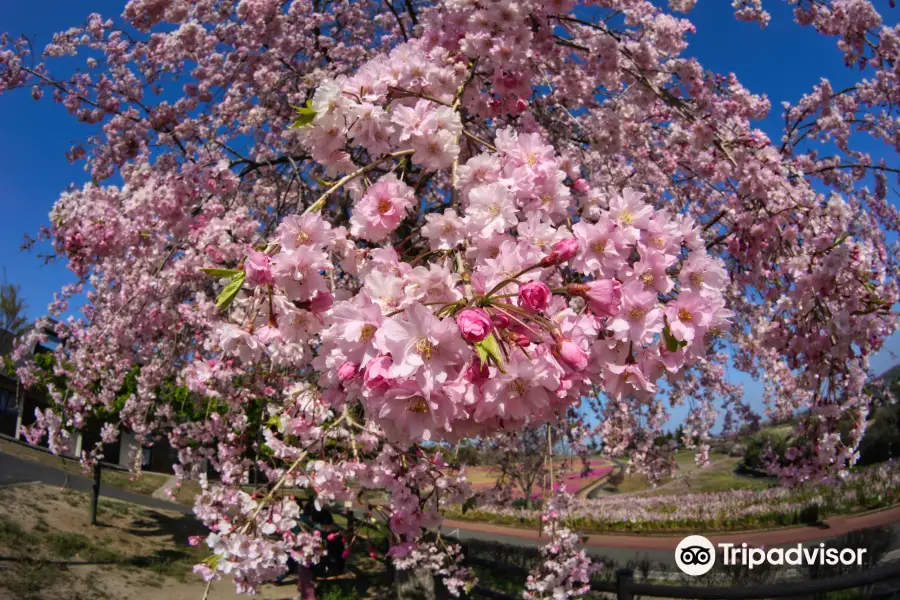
348, 230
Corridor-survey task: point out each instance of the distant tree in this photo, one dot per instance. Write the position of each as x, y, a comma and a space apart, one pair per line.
522, 458
881, 441
13, 308
679, 434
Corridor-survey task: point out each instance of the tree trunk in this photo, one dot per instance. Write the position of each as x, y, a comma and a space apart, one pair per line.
95, 493
528, 488
414, 584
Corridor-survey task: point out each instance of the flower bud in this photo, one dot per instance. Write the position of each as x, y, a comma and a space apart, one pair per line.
535, 295
603, 297
571, 354
477, 371
563, 251
376, 375
322, 302
500, 320
581, 185
348, 371
474, 324
521, 340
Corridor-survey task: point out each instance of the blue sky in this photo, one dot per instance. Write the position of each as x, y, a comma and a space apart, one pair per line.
782, 61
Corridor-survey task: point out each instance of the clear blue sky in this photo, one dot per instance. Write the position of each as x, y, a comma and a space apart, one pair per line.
783, 61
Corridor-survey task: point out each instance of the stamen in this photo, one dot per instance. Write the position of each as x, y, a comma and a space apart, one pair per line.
424, 348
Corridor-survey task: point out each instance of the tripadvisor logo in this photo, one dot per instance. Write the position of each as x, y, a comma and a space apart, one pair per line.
695, 555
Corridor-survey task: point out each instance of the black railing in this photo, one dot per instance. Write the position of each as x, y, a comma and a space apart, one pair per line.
625, 588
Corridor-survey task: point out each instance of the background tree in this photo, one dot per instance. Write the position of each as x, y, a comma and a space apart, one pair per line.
13, 309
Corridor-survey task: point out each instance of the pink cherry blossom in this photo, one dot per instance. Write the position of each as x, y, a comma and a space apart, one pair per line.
640, 317
257, 268
381, 209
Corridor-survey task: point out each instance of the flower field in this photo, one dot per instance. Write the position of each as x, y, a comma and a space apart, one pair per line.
873, 488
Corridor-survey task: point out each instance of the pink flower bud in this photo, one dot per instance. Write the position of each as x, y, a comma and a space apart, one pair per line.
500, 320
322, 302
522, 340
603, 297
563, 251
535, 295
477, 371
333, 536
581, 185
345, 553
521, 105
474, 324
571, 354
348, 371
376, 375
257, 268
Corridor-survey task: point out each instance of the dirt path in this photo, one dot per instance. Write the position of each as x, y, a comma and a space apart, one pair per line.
162, 492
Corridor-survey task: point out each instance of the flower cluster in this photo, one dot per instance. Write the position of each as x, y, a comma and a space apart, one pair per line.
509, 332
566, 570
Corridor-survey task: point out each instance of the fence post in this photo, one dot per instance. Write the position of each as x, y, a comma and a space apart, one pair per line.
624, 579
95, 492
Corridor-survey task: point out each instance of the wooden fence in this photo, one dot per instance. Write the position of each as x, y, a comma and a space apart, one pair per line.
625, 588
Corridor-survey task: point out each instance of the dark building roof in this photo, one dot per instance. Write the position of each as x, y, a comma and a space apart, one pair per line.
7, 338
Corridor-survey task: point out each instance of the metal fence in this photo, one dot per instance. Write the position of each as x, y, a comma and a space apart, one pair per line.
625, 588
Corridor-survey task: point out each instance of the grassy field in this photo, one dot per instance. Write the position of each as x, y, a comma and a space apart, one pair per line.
54, 552
145, 483
717, 477
49, 551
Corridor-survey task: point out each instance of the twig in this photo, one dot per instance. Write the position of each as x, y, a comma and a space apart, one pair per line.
318, 204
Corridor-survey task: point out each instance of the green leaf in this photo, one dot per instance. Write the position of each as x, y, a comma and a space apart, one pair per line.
307, 114
220, 273
489, 348
231, 291
468, 505
672, 344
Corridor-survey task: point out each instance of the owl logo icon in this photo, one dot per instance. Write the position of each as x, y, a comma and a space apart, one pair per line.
695, 555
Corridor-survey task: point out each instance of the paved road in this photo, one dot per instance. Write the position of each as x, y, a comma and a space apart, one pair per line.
618, 556
14, 470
